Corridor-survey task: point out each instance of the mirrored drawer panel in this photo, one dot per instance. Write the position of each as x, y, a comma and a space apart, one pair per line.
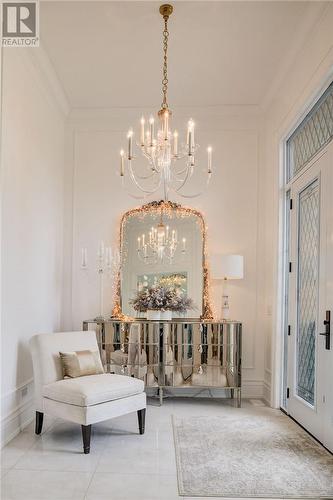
200, 376
200, 354
187, 333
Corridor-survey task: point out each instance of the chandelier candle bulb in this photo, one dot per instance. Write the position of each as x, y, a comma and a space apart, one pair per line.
139, 243
209, 151
184, 244
84, 258
122, 163
130, 144
151, 123
175, 143
108, 257
142, 131
100, 252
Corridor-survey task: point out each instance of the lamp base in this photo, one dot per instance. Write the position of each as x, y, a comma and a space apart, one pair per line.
225, 307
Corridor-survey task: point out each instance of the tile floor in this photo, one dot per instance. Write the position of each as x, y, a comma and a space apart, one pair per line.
122, 465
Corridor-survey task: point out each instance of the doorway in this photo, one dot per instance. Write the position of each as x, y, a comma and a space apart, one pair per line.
307, 392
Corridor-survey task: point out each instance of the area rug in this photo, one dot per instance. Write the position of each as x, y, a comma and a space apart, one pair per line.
246, 457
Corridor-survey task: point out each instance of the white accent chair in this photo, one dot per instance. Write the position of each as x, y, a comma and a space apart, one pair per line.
84, 400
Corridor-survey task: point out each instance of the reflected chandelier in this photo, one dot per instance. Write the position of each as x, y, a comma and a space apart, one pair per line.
162, 149
160, 245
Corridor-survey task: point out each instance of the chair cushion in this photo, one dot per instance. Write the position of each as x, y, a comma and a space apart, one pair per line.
93, 389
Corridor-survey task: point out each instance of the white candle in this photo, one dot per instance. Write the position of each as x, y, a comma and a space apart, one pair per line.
142, 131
143, 240
167, 233
175, 143
151, 125
145, 250
122, 163
84, 258
209, 151
190, 137
184, 244
108, 256
101, 250
130, 143
139, 243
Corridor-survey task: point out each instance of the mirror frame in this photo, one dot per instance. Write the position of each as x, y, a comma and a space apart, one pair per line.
155, 207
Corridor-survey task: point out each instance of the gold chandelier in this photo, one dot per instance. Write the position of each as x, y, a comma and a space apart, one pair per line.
170, 163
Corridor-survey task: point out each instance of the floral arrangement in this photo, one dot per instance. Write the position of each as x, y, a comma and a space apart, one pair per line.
162, 298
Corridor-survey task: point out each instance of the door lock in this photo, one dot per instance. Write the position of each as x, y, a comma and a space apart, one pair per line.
327, 332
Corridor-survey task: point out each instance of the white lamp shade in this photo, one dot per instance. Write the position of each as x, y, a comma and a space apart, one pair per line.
229, 267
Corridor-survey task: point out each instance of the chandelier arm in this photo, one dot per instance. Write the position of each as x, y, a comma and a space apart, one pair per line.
196, 194
183, 181
134, 196
144, 177
147, 191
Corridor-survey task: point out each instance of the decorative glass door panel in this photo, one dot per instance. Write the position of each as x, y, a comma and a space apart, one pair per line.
310, 364
307, 290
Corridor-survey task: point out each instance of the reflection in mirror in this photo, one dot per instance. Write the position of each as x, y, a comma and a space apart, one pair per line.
163, 244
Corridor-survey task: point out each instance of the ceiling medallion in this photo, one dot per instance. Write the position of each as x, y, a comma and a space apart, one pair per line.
170, 162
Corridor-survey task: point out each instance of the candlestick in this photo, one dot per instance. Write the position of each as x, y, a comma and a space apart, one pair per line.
175, 143
184, 244
122, 163
209, 150
84, 258
142, 131
151, 124
108, 257
130, 143
190, 137
139, 243
100, 252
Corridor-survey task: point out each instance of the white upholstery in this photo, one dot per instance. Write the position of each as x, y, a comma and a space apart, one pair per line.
83, 400
86, 415
46, 360
93, 389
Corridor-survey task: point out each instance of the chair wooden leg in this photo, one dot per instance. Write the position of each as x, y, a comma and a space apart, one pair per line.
86, 434
39, 422
142, 420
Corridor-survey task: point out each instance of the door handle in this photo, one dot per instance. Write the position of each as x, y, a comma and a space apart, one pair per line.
327, 332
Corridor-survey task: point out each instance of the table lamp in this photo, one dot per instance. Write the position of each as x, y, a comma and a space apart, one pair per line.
226, 267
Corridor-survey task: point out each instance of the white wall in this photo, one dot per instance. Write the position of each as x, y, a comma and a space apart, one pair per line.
32, 223
230, 207
307, 75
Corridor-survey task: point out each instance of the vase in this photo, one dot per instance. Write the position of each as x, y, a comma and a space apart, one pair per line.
153, 315
166, 315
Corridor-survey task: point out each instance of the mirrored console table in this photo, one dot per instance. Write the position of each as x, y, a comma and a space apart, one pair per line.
173, 354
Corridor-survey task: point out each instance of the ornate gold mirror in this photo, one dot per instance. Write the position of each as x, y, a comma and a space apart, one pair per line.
163, 243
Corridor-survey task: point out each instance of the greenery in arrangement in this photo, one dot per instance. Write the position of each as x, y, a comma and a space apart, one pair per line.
162, 298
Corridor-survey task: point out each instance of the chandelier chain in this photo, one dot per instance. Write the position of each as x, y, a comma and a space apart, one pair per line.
165, 80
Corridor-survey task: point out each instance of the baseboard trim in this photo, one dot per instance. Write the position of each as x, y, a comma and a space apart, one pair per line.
17, 411
13, 424
267, 393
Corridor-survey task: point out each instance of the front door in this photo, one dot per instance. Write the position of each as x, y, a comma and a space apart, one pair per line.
310, 366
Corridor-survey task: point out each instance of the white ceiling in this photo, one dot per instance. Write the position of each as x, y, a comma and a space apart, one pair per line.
109, 54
